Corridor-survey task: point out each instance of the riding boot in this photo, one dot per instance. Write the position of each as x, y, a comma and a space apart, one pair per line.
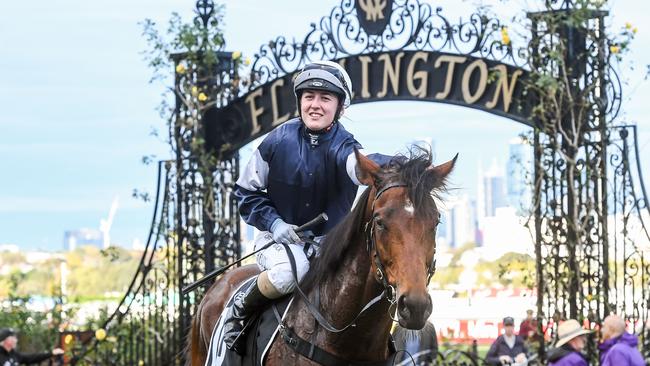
246, 303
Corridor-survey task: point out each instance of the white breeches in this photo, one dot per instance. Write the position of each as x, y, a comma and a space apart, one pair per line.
275, 261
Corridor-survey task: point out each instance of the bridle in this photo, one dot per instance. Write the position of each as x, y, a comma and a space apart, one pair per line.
319, 355
369, 229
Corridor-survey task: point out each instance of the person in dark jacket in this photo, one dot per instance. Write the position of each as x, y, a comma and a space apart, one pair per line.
508, 348
568, 348
619, 348
303, 168
420, 346
10, 357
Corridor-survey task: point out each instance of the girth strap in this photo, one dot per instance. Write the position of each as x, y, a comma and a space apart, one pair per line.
319, 355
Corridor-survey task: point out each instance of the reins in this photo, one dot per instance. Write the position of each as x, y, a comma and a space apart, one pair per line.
310, 350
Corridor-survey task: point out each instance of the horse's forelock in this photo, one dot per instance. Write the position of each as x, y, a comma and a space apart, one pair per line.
423, 183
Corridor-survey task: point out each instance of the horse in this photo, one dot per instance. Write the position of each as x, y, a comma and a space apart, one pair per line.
383, 249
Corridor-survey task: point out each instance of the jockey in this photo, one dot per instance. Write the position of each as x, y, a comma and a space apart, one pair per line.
302, 168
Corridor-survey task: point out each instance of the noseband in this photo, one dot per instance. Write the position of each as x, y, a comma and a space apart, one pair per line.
369, 228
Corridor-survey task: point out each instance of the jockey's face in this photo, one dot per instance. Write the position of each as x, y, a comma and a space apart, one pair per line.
318, 108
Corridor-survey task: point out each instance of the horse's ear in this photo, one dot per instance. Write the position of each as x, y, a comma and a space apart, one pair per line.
366, 169
442, 171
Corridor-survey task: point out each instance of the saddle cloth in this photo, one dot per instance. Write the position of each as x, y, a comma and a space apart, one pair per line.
261, 331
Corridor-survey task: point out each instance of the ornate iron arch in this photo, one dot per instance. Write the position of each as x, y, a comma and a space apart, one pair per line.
401, 31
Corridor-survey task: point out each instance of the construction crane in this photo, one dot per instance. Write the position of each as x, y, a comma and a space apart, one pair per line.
105, 224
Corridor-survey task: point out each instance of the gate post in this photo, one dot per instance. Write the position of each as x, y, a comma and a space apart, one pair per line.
206, 218
570, 142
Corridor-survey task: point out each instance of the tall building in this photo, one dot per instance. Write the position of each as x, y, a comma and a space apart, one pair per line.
459, 222
520, 176
492, 191
73, 239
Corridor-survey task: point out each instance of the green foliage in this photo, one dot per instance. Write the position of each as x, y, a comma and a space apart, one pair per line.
458, 253
515, 270
99, 274
447, 275
93, 275
180, 37
36, 330
193, 52
510, 270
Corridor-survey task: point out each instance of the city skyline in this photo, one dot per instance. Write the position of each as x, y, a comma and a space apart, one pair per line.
498, 202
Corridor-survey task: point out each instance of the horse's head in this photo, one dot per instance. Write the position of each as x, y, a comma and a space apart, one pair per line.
401, 229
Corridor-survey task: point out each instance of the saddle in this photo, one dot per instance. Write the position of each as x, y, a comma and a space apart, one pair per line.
261, 330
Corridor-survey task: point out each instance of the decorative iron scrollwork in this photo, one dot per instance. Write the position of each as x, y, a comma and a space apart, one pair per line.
411, 25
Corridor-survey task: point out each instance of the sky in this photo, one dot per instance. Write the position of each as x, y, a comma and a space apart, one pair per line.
78, 108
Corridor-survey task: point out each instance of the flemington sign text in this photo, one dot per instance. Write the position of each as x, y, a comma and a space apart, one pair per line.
398, 75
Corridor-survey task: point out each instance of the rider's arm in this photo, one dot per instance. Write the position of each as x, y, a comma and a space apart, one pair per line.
255, 206
351, 163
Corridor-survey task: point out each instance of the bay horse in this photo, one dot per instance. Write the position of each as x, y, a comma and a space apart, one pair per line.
386, 244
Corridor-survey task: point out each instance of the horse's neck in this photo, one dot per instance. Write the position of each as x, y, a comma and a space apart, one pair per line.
342, 297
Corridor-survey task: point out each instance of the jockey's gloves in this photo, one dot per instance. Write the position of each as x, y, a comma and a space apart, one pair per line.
283, 232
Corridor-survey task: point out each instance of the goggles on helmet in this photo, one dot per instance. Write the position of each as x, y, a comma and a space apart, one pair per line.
324, 77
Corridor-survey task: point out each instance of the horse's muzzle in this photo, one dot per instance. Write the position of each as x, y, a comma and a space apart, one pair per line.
413, 310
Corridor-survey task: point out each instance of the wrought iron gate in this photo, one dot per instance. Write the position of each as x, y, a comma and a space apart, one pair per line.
590, 207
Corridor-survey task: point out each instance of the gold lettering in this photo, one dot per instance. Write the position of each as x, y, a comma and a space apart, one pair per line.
421, 76
503, 87
365, 60
452, 60
482, 82
374, 9
255, 111
274, 103
391, 71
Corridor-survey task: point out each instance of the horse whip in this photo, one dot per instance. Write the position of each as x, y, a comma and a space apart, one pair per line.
191, 287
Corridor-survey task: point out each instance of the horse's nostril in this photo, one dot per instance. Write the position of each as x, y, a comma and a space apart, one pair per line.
402, 307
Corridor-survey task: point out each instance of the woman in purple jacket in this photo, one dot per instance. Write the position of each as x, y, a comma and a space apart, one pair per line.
619, 348
569, 346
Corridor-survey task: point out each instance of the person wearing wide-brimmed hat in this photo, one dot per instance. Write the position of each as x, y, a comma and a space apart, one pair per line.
568, 348
10, 357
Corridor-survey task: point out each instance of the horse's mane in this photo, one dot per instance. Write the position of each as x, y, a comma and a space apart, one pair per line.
422, 185
337, 242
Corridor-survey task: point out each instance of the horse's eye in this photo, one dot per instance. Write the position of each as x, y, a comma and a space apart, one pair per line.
380, 224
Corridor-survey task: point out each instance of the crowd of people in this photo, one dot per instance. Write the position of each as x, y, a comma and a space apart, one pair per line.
617, 348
